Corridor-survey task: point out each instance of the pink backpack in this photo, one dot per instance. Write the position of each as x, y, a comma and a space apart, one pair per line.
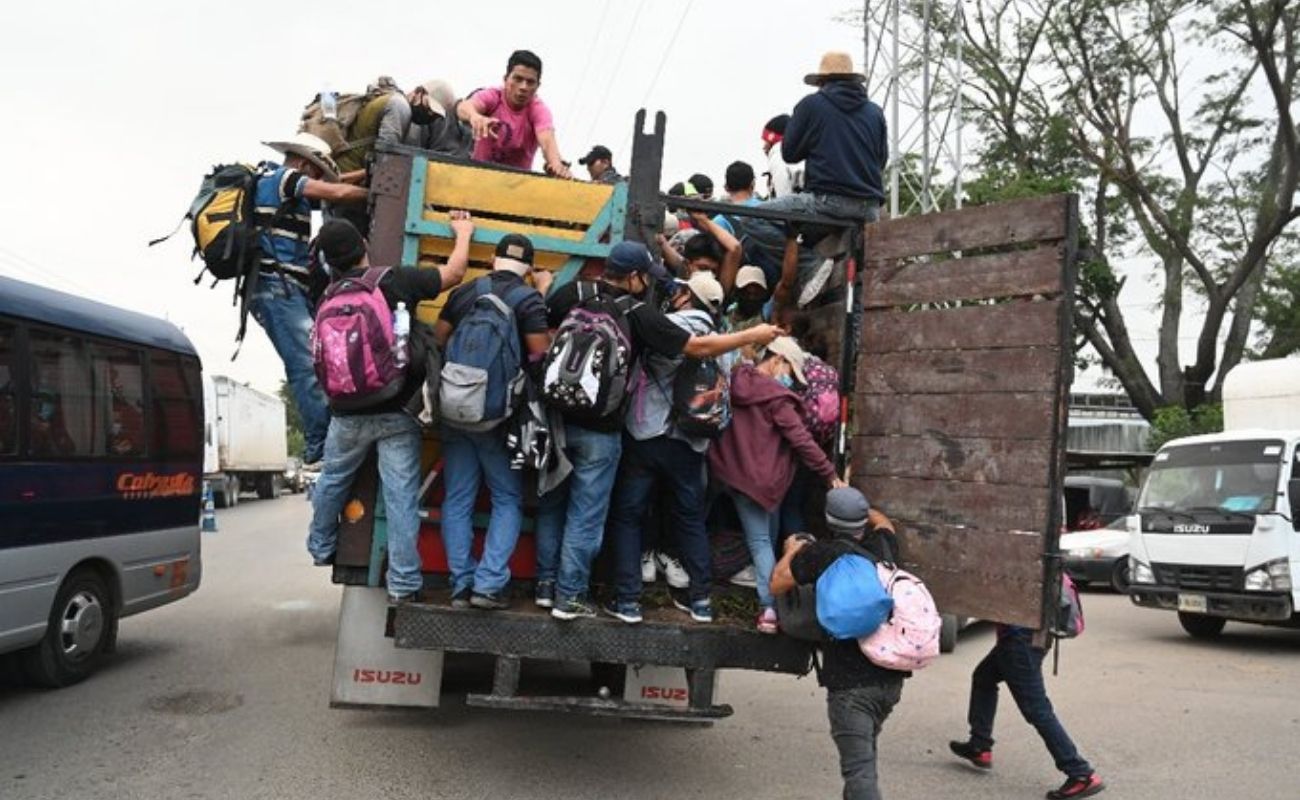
909, 639
353, 345
821, 399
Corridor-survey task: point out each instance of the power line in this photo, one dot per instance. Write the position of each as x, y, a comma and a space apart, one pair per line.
613, 76
586, 67
663, 60
20, 262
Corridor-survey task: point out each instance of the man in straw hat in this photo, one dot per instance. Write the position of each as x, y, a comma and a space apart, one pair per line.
840, 136
281, 301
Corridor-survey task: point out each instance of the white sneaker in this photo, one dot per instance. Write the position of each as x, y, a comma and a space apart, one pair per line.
673, 571
746, 577
648, 566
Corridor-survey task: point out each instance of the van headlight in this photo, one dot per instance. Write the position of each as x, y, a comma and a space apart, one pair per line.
1272, 576
1139, 572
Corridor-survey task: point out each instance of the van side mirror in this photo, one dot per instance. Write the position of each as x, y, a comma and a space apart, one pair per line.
1293, 494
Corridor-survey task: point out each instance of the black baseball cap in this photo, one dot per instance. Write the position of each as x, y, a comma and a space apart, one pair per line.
516, 247
596, 154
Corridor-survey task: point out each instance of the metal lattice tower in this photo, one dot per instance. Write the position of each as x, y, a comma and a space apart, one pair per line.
915, 71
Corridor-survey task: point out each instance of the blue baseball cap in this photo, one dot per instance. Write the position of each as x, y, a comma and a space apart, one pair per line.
626, 258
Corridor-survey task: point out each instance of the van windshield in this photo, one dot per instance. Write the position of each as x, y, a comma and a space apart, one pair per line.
1221, 476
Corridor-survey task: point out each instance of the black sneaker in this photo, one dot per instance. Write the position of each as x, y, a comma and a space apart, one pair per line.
460, 600
628, 611
544, 594
573, 608
489, 602
977, 757
1086, 786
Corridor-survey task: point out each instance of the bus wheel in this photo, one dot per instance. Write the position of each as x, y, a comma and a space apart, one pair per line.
1201, 626
82, 624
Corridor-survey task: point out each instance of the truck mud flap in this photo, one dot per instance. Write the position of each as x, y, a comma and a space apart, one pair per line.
368, 670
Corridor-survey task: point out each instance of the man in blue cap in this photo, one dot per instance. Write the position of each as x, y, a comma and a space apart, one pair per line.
571, 516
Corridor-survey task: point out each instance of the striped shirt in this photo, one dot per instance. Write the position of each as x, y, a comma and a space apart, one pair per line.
284, 239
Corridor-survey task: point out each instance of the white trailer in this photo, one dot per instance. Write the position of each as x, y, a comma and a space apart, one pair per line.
246, 448
1216, 536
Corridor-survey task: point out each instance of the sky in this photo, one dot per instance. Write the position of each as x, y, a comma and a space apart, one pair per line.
115, 111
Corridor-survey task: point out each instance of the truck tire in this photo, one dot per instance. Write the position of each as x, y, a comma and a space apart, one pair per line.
1119, 575
948, 633
1201, 626
82, 626
268, 486
232, 488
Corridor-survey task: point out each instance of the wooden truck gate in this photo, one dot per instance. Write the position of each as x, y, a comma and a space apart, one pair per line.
957, 406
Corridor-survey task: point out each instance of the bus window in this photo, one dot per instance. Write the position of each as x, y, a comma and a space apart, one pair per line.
177, 407
119, 387
8, 392
59, 418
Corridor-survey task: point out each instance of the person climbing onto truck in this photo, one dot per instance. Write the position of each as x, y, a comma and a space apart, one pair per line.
657, 450
1016, 661
571, 516
511, 122
388, 426
435, 124
859, 694
755, 458
480, 454
281, 301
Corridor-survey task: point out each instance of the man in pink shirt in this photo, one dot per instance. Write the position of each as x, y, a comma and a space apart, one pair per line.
510, 122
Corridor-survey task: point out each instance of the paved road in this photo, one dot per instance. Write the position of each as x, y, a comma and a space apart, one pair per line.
224, 695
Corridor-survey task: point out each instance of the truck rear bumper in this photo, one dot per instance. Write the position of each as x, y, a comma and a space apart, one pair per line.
1247, 607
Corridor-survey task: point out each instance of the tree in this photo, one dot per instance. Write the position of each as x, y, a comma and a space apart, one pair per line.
293, 422
1189, 164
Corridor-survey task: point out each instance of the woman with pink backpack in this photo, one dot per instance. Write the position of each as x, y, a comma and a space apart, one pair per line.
756, 456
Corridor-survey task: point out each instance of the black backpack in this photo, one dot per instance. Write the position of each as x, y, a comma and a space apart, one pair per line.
592, 348
701, 398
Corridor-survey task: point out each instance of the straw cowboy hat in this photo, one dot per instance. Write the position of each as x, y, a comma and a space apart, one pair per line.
312, 148
835, 66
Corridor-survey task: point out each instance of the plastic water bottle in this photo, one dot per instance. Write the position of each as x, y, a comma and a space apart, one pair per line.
329, 103
401, 333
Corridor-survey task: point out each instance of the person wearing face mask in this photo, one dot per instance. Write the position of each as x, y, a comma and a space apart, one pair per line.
434, 122
571, 516
756, 457
748, 308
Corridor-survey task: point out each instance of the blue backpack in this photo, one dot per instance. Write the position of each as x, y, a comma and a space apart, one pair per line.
482, 370
851, 601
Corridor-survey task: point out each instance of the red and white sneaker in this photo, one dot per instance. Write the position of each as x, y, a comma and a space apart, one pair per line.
767, 621
983, 759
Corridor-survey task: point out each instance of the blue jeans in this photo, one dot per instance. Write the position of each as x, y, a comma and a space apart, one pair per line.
760, 527
469, 457
397, 438
571, 517
281, 307
856, 716
1015, 661
644, 465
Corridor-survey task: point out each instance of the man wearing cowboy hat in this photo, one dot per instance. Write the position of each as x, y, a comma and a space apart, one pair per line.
281, 301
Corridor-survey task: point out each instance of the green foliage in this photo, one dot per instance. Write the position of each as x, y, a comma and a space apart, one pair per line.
293, 422
1175, 422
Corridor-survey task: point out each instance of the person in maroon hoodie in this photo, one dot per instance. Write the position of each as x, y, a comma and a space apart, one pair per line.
755, 458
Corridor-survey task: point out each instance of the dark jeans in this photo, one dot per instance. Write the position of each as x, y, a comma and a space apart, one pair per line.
1015, 661
674, 464
856, 717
